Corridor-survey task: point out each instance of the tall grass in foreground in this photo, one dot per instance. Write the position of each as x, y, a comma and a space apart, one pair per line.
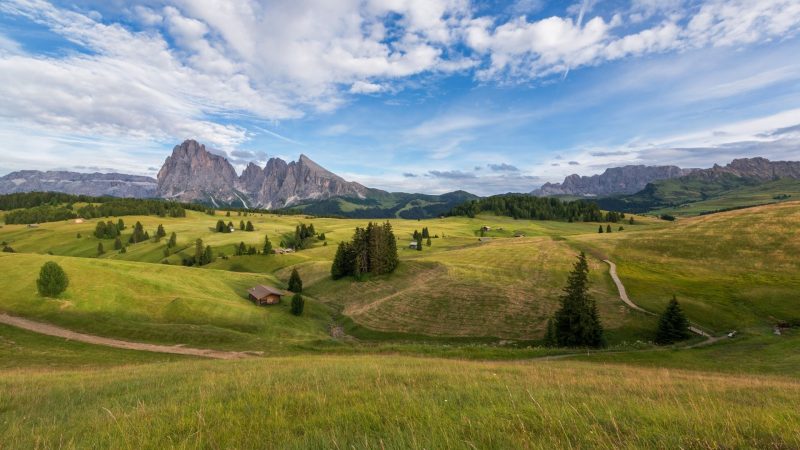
395, 402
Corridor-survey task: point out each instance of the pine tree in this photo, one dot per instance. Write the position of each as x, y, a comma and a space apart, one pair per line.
227, 214
173, 240
100, 230
199, 249
267, 246
621, 228
241, 225
111, 230
425, 233
577, 323
428, 243
123, 250
550, 334
117, 243
608, 228
78, 236
341, 267
249, 226
100, 249
600, 230
166, 251
120, 225
419, 243
673, 326
208, 256
295, 283
630, 221
298, 304
52, 280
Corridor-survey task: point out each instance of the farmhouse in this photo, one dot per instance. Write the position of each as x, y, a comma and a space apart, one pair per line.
265, 295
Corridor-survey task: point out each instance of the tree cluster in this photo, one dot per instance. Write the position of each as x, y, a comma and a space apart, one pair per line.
242, 249
139, 235
373, 250
107, 230
521, 206
202, 255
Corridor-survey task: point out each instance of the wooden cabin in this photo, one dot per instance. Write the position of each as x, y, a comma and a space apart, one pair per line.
265, 295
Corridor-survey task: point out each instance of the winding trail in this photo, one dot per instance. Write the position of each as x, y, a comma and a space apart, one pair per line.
623, 295
52, 330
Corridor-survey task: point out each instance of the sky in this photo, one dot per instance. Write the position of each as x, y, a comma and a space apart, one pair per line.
404, 95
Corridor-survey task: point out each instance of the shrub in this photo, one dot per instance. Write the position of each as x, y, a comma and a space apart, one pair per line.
52, 280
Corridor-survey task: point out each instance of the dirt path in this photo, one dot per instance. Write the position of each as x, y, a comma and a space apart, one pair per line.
52, 330
623, 295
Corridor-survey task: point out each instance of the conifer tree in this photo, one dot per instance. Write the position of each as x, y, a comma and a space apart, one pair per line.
52, 280
123, 250
298, 304
227, 214
550, 334
295, 283
111, 230
220, 226
419, 243
267, 246
241, 225
166, 251
78, 236
100, 249
208, 256
342, 265
100, 230
428, 243
425, 233
608, 228
117, 243
577, 323
198, 251
673, 326
600, 230
249, 226
630, 221
173, 240
120, 225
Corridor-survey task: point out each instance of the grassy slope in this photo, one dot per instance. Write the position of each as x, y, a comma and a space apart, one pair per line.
157, 303
395, 402
733, 270
735, 198
455, 263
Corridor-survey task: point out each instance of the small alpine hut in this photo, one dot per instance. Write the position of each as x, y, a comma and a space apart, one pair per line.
265, 295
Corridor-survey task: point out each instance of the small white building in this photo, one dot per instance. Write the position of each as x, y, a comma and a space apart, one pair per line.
412, 245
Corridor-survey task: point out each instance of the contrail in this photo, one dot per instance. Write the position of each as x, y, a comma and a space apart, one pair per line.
274, 134
584, 5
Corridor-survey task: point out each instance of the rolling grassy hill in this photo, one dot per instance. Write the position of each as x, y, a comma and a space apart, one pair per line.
452, 301
732, 270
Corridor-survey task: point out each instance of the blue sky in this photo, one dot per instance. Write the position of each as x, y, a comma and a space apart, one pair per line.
404, 95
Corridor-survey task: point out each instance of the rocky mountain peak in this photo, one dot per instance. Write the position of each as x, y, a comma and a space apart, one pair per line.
615, 180
193, 173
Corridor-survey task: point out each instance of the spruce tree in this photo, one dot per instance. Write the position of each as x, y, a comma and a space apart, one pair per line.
419, 243
600, 230
241, 225
227, 214
220, 226
428, 243
295, 283
249, 226
100, 249
608, 228
673, 326
52, 280
341, 266
577, 323
173, 240
120, 225
630, 221
550, 339
208, 256
117, 243
298, 304
198, 251
100, 230
267, 246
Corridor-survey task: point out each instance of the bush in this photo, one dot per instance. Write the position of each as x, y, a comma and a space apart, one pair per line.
298, 304
52, 280
667, 217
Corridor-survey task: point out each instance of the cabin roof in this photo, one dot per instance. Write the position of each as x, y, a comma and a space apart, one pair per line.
262, 291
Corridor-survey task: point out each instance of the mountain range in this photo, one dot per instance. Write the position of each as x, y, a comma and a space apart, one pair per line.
194, 174
615, 180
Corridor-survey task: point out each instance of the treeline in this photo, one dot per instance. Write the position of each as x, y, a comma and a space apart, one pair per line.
521, 206
38, 207
373, 250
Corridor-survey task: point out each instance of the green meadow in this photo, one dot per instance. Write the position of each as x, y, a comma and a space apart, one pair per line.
443, 353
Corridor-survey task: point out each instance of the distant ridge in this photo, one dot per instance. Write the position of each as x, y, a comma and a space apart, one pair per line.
93, 184
615, 180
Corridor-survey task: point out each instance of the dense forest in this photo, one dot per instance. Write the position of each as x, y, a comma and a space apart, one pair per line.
520, 206
37, 207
